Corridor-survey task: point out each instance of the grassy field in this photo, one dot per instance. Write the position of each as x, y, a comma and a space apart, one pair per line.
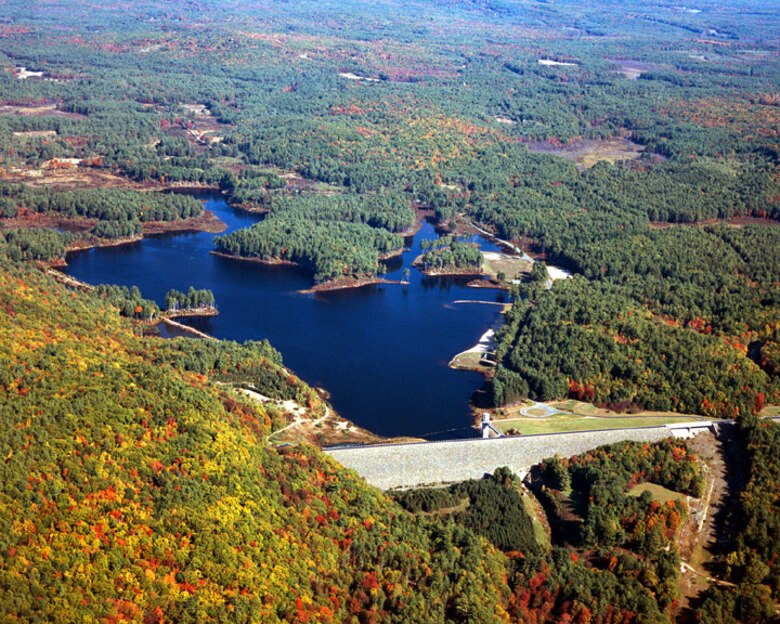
658, 492
581, 408
575, 422
771, 411
577, 416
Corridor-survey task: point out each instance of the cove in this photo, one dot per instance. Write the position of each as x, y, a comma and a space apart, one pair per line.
381, 351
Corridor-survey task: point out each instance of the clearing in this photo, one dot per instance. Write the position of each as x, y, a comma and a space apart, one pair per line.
560, 416
494, 262
698, 539
551, 62
36, 110
479, 357
22, 73
770, 411
320, 427
351, 76
35, 134
587, 153
632, 69
658, 492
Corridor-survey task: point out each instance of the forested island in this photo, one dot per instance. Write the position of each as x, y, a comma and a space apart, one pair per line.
633, 144
338, 237
450, 255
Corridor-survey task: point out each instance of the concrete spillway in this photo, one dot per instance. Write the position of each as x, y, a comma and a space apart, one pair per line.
434, 463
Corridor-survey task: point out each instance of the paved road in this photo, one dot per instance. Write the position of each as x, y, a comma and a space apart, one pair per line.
547, 410
433, 463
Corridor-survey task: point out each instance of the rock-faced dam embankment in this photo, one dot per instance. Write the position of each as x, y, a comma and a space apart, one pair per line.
432, 463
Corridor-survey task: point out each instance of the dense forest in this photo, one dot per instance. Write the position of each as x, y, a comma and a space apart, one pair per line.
128, 301
151, 467
593, 342
332, 249
159, 468
101, 213
131, 303
618, 560
633, 143
176, 300
34, 244
101, 204
450, 254
211, 522
751, 562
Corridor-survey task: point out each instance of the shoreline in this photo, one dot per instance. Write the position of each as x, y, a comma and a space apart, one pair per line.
102, 242
389, 255
488, 284
66, 280
185, 186
451, 271
249, 208
184, 328
332, 429
454, 272
257, 260
205, 312
347, 283
487, 343
341, 283
208, 222
490, 236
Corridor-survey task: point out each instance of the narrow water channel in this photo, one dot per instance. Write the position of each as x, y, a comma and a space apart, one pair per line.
381, 351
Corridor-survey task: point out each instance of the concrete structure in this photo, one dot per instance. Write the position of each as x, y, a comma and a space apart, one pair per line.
389, 466
690, 429
488, 430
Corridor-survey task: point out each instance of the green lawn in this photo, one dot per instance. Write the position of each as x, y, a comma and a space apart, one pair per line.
572, 422
658, 492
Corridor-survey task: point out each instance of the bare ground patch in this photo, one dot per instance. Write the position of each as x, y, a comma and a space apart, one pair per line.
36, 110
512, 267
82, 177
699, 537
321, 426
632, 69
587, 153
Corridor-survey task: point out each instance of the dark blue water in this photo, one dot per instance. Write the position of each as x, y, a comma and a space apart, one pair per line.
381, 351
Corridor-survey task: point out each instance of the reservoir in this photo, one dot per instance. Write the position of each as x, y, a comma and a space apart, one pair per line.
381, 351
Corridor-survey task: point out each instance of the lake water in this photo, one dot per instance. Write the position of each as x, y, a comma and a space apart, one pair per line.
381, 350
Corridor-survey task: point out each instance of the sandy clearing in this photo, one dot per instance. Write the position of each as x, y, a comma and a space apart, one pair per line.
486, 343
550, 62
351, 76
557, 273
22, 73
34, 134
